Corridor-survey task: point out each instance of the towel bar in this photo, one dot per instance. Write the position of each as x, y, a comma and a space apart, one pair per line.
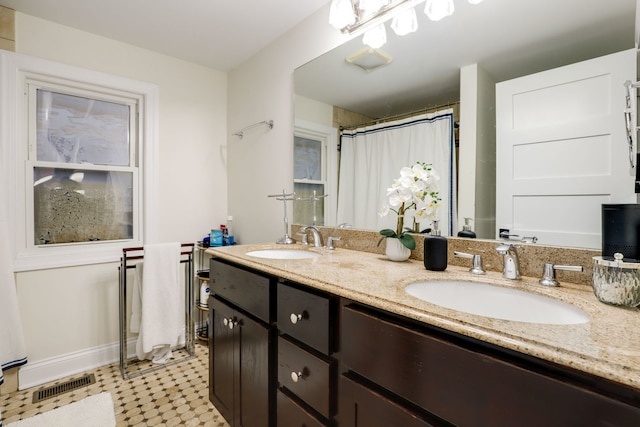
137, 253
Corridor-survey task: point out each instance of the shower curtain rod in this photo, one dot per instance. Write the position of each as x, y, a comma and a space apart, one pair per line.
399, 116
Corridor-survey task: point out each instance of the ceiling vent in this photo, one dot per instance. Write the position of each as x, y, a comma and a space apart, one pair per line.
369, 59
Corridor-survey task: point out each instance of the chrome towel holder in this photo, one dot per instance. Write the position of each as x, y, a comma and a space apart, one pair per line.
240, 133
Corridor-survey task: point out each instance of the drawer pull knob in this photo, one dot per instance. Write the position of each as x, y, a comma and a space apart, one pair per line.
229, 322
295, 318
296, 376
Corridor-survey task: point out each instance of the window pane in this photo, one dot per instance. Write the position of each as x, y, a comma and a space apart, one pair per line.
308, 212
75, 205
307, 155
73, 129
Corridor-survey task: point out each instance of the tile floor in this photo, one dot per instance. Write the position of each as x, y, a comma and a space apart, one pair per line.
177, 395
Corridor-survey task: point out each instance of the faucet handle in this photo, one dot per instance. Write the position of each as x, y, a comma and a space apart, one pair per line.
476, 262
549, 273
305, 238
330, 241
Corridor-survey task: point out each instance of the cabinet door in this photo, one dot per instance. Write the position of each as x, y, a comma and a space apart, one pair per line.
362, 407
223, 359
470, 388
253, 351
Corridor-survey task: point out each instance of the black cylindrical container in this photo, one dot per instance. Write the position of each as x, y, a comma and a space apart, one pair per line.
435, 253
621, 230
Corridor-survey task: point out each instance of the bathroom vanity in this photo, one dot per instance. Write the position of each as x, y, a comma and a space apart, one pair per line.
335, 340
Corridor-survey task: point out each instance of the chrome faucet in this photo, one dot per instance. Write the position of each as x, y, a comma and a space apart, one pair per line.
510, 263
317, 237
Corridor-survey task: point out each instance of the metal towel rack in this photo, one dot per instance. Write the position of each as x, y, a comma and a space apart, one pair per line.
240, 133
131, 255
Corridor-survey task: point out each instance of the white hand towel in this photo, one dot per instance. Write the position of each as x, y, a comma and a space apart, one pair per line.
162, 303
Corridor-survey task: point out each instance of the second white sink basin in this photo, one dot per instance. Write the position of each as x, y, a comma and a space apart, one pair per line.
283, 254
497, 302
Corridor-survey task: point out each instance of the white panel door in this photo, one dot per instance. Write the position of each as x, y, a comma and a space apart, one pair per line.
561, 150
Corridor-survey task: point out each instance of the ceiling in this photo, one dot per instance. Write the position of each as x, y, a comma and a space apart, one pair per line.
506, 38
198, 31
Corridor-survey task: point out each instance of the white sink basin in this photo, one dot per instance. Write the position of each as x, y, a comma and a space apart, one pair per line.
497, 302
283, 254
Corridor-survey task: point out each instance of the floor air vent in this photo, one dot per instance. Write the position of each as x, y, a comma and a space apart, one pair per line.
58, 389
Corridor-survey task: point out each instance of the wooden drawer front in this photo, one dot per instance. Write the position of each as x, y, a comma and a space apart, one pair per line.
241, 287
290, 414
311, 315
362, 407
315, 386
437, 375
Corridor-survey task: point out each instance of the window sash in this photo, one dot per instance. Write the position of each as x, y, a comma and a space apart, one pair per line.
57, 217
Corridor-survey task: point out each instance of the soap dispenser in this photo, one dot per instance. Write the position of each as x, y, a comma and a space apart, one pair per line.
435, 250
466, 230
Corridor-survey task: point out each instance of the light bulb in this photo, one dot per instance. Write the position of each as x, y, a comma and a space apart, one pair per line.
438, 9
375, 37
341, 14
405, 22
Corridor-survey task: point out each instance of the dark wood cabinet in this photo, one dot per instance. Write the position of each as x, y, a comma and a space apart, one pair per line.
307, 367
288, 355
291, 414
454, 379
241, 379
361, 406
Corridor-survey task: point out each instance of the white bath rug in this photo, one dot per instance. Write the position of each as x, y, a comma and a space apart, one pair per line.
93, 411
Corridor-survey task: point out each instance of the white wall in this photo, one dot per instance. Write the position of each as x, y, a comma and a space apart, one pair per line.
262, 162
75, 309
313, 111
476, 186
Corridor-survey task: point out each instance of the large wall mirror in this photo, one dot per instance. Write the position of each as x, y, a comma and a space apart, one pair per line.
504, 38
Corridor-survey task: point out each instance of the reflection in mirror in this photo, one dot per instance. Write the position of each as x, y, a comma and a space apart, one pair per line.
460, 59
372, 158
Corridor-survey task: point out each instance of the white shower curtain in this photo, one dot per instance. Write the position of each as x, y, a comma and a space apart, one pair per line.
371, 158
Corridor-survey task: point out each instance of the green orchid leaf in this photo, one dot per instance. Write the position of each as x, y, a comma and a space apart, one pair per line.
408, 241
387, 232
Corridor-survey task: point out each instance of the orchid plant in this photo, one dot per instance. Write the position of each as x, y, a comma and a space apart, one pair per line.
413, 197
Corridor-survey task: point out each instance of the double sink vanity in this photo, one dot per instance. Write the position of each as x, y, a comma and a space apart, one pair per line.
305, 336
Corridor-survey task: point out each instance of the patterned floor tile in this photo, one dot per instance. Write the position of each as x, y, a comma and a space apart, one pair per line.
177, 395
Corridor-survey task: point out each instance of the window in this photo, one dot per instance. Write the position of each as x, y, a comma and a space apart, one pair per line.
83, 165
79, 152
314, 174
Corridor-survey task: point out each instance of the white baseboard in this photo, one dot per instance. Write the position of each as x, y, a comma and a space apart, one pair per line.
54, 368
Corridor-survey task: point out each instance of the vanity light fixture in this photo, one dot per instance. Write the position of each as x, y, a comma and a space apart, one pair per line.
405, 22
438, 9
375, 37
361, 16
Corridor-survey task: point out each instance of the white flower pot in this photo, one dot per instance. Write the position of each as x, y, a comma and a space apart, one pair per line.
396, 251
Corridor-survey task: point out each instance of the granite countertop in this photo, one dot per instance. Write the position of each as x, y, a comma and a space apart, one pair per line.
608, 346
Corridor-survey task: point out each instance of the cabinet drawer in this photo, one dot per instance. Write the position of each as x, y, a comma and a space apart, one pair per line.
308, 376
440, 376
305, 316
241, 287
362, 407
290, 414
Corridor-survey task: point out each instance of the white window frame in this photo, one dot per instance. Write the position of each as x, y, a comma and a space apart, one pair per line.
328, 136
15, 71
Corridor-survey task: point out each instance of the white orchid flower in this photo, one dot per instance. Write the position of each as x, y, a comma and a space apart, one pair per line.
395, 201
414, 196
